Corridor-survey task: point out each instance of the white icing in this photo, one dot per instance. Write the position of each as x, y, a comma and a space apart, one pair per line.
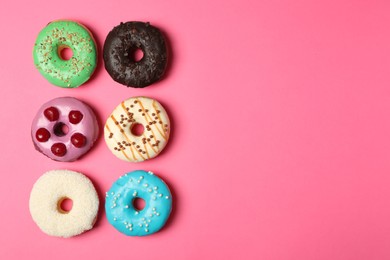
129, 147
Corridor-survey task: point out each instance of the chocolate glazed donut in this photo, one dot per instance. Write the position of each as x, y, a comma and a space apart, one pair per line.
120, 46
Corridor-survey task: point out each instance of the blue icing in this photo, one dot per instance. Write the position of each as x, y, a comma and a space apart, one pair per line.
119, 203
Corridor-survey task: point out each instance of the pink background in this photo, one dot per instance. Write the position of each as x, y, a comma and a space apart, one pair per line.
280, 142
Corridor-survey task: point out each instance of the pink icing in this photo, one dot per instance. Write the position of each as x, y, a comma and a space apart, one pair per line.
88, 127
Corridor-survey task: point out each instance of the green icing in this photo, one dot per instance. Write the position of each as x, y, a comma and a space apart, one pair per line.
65, 73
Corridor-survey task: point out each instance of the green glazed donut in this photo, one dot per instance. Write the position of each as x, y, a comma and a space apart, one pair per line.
52, 40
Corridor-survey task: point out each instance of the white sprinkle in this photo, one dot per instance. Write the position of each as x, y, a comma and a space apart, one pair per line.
151, 173
139, 181
147, 230
140, 225
154, 198
130, 229
127, 206
143, 218
125, 222
112, 193
167, 197
158, 214
149, 190
114, 219
146, 185
154, 209
149, 220
134, 193
155, 188
136, 213
160, 195
151, 215
141, 177
146, 225
130, 225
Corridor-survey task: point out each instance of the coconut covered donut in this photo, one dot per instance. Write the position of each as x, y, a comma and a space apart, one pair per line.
129, 146
47, 195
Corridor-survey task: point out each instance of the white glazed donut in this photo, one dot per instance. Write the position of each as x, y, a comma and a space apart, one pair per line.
50, 190
118, 129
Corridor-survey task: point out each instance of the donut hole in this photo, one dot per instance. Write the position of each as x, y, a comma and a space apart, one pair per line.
135, 54
137, 129
60, 129
65, 52
65, 205
139, 203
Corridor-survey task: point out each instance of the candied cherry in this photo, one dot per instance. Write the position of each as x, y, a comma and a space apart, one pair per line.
42, 135
78, 140
51, 113
75, 116
58, 149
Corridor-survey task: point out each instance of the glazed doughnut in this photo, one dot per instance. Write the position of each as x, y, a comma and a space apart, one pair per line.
52, 40
64, 129
119, 47
121, 212
45, 203
128, 146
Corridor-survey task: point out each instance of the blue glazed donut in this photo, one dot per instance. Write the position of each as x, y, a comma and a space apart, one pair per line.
121, 212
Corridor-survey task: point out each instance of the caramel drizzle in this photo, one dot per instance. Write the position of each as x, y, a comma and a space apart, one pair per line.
159, 118
146, 150
124, 134
109, 130
146, 118
147, 114
151, 146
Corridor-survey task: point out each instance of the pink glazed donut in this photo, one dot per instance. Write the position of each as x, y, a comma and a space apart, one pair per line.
64, 129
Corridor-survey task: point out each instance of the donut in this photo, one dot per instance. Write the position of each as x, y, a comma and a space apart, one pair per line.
57, 36
129, 146
127, 219
120, 46
64, 129
47, 195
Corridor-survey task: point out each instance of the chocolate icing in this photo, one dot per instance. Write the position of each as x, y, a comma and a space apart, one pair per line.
119, 45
